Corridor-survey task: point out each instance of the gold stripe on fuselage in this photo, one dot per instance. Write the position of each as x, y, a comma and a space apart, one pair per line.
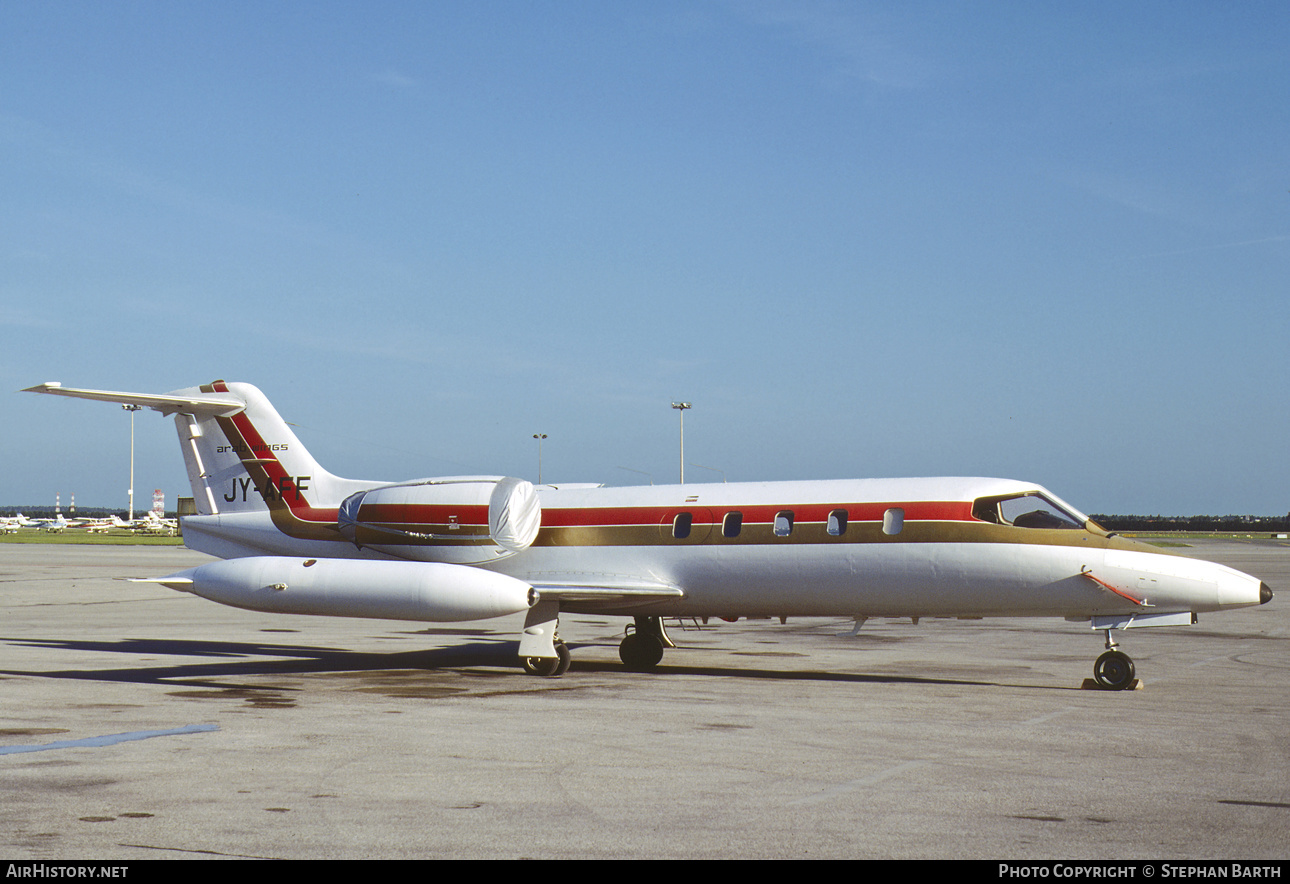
816, 533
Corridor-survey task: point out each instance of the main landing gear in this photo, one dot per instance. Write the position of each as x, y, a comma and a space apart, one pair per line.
642, 648
1114, 671
543, 653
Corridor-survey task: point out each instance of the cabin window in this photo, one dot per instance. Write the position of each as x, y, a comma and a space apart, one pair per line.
837, 525
893, 520
783, 523
681, 525
732, 524
1025, 511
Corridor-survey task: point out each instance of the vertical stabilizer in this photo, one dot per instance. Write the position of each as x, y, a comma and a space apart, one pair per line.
249, 459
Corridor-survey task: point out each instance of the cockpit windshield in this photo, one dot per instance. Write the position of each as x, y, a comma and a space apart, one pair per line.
1032, 510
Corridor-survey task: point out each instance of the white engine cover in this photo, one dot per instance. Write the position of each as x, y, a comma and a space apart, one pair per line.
463, 519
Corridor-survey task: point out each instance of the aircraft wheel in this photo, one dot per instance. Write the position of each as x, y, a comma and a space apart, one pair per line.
550, 667
565, 658
640, 652
1113, 671
543, 666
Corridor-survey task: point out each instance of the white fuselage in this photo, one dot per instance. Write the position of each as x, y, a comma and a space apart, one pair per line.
951, 567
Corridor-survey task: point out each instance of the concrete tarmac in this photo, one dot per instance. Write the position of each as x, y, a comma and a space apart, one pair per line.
141, 723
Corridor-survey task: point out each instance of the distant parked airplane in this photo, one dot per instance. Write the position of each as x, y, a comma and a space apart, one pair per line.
11, 524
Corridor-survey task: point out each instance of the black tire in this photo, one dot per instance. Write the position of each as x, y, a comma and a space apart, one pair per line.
549, 667
565, 658
1113, 671
543, 666
641, 652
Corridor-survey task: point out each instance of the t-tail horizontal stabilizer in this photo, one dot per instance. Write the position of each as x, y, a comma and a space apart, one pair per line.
221, 404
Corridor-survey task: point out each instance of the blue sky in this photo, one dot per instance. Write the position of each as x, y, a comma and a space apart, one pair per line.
1042, 241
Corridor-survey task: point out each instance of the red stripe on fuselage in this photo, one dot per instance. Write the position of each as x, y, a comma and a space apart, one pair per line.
590, 517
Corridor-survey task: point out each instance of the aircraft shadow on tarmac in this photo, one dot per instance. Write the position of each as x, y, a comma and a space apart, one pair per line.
248, 659
256, 659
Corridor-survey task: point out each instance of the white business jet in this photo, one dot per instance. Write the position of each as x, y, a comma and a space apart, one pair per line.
297, 539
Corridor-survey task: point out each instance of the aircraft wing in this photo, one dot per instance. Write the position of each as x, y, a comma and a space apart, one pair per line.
168, 403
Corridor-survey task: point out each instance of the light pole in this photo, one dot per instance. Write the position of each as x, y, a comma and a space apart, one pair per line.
132, 409
539, 437
681, 407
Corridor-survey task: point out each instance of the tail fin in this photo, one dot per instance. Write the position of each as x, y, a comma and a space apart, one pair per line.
240, 454
249, 459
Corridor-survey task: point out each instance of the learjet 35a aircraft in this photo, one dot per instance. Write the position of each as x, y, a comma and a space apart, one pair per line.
297, 539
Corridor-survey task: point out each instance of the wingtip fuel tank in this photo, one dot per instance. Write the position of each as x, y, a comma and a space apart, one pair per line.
427, 591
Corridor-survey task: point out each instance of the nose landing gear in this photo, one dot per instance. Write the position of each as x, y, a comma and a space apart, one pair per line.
1114, 670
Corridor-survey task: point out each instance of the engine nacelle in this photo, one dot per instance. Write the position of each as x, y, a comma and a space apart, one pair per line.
463, 519
381, 590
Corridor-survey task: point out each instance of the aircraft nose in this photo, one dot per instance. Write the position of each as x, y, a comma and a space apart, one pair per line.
1265, 594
